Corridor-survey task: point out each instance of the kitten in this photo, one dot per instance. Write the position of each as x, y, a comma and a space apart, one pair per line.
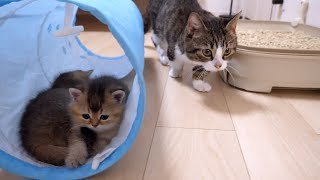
38, 107
183, 31
99, 110
73, 79
66, 126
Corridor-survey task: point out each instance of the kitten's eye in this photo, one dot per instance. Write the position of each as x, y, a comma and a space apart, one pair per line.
104, 117
227, 51
86, 116
207, 52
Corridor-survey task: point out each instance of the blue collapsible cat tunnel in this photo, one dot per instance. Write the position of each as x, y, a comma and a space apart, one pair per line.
38, 40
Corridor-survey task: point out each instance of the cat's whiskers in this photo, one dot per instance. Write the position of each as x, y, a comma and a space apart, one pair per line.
231, 75
233, 68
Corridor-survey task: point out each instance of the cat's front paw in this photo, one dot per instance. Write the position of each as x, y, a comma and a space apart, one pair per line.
201, 86
75, 160
164, 60
174, 73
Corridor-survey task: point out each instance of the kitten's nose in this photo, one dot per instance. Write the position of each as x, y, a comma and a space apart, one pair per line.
95, 125
218, 65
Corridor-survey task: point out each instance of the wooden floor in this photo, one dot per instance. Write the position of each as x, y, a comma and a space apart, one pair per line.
225, 134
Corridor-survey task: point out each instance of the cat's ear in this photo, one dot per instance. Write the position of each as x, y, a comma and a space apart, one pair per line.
89, 72
75, 94
232, 23
118, 96
195, 25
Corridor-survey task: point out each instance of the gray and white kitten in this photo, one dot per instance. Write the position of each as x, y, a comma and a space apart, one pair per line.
183, 31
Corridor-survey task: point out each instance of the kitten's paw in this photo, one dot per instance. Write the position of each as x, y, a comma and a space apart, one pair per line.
73, 161
174, 73
164, 60
201, 86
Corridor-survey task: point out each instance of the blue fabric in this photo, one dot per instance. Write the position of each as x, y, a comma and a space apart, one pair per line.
4, 2
30, 58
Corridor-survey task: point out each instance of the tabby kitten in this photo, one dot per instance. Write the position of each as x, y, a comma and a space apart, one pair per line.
73, 79
183, 31
66, 126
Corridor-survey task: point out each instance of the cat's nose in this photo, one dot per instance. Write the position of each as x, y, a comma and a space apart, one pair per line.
218, 65
95, 125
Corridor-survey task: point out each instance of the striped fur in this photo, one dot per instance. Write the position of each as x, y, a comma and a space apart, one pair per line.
182, 27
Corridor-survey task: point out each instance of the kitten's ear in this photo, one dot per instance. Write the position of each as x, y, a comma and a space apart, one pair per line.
75, 94
232, 23
118, 96
195, 25
89, 72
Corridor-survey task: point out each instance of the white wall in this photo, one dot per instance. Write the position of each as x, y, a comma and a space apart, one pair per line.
291, 11
218, 7
261, 9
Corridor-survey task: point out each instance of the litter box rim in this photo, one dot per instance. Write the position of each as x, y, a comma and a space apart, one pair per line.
136, 57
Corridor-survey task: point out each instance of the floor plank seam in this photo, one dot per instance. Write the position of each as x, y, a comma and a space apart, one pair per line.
203, 129
235, 130
154, 130
284, 141
296, 110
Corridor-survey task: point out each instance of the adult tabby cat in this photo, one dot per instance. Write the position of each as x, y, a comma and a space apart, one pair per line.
183, 31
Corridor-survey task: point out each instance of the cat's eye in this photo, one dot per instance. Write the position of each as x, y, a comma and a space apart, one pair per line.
207, 52
227, 52
86, 116
104, 117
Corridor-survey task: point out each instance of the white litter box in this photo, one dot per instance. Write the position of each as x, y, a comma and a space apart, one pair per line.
262, 69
